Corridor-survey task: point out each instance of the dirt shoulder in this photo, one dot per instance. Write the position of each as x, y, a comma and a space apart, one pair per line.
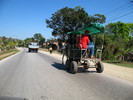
119, 71
109, 69
8, 53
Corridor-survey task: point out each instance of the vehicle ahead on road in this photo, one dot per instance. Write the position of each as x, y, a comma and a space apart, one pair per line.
77, 56
33, 47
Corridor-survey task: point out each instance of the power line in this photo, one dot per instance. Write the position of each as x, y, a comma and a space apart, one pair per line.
119, 13
117, 9
111, 4
120, 16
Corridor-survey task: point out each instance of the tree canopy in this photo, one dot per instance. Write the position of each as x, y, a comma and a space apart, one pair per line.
7, 43
117, 41
119, 30
70, 19
39, 38
131, 28
36, 38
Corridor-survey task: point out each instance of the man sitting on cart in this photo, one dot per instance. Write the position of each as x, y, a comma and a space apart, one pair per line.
83, 40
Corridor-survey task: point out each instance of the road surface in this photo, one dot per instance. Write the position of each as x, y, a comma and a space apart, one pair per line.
37, 76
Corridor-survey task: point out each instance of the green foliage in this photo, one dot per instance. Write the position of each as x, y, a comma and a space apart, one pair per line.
117, 41
119, 30
70, 19
130, 44
98, 18
39, 38
36, 38
27, 41
7, 43
10, 43
131, 28
20, 43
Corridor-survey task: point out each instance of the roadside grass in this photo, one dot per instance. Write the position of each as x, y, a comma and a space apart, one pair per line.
126, 64
123, 64
8, 53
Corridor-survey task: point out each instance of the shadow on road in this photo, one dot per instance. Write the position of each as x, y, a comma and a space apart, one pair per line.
80, 69
59, 66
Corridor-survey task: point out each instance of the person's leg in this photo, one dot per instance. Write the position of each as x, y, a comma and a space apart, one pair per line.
91, 48
92, 51
89, 51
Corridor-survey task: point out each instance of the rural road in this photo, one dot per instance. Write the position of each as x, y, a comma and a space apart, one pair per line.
37, 76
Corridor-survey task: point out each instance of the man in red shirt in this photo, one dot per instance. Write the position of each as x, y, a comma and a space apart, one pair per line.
83, 41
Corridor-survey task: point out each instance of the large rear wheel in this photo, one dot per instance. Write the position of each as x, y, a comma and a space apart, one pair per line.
73, 67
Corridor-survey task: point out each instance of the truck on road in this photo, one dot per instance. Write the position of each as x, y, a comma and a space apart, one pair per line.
33, 47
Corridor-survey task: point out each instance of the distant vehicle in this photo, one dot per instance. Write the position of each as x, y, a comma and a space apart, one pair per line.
33, 47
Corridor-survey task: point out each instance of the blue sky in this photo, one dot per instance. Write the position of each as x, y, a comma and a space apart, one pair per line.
23, 18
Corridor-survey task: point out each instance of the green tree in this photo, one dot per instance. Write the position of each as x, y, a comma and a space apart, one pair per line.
116, 39
27, 41
121, 31
131, 28
1, 44
8, 43
21, 43
70, 19
39, 38
12, 45
98, 18
4, 43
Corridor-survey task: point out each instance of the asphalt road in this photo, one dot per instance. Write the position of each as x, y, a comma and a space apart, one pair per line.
37, 76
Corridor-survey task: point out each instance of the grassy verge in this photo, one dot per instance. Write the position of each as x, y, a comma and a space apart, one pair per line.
130, 65
7, 53
123, 64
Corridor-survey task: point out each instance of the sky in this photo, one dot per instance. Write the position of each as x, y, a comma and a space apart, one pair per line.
21, 19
